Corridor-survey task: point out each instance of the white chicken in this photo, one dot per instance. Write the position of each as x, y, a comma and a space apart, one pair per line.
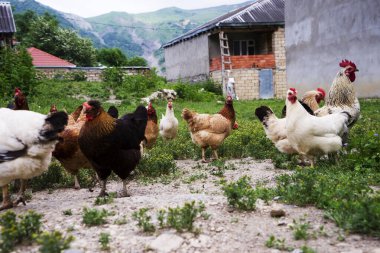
275, 128
169, 123
342, 96
27, 141
313, 136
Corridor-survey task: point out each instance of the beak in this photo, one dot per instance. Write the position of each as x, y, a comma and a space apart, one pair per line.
356, 70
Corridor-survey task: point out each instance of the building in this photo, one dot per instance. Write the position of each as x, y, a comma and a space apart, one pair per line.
319, 34
246, 44
7, 24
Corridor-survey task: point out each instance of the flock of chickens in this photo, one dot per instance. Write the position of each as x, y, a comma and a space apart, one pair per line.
95, 139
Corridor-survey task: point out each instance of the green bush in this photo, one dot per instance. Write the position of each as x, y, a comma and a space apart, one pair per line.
240, 194
193, 92
94, 217
54, 242
16, 231
113, 76
77, 76
104, 240
144, 220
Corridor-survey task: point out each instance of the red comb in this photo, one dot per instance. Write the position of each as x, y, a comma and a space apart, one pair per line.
346, 63
294, 90
17, 89
322, 91
86, 105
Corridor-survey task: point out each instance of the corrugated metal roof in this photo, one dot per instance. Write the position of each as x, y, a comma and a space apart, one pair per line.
7, 23
43, 59
262, 12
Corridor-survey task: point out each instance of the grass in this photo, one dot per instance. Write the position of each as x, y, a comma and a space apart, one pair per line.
345, 188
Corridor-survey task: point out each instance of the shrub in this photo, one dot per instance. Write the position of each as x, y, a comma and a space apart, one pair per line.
54, 242
300, 229
15, 231
277, 243
94, 217
105, 200
143, 220
193, 92
104, 240
240, 194
113, 76
77, 76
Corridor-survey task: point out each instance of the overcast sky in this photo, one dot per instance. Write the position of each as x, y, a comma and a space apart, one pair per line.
90, 8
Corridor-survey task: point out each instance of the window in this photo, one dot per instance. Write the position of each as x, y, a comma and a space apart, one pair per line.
244, 47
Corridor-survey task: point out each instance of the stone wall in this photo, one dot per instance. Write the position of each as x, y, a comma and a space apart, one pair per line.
279, 73
93, 74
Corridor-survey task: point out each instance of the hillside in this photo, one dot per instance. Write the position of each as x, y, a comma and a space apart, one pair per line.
135, 34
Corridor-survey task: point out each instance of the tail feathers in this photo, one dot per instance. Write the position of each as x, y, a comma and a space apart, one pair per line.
307, 108
263, 112
54, 124
113, 112
187, 114
75, 114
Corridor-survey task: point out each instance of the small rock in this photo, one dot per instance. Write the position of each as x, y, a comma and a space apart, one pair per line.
276, 213
356, 237
281, 222
72, 251
219, 229
375, 250
275, 251
166, 243
297, 251
230, 209
353, 251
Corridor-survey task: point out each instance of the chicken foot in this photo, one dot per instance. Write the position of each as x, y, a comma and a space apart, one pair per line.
7, 203
215, 155
204, 156
103, 191
20, 196
123, 193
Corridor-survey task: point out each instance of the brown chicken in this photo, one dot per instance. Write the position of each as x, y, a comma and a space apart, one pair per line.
151, 130
210, 130
20, 101
67, 151
112, 144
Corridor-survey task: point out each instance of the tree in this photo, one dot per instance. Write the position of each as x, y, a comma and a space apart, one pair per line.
16, 70
111, 57
45, 34
137, 61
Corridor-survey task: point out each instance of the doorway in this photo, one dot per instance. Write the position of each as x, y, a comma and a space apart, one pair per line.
266, 83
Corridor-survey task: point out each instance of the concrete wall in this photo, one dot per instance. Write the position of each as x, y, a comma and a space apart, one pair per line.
319, 34
188, 59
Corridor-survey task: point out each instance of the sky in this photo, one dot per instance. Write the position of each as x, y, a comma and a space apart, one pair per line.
90, 8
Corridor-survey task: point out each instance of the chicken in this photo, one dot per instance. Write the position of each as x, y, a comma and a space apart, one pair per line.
210, 130
113, 112
313, 136
67, 151
26, 145
342, 95
275, 128
20, 101
112, 144
169, 123
151, 130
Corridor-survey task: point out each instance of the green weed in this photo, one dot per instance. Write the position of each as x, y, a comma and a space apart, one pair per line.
54, 242
104, 240
144, 220
94, 217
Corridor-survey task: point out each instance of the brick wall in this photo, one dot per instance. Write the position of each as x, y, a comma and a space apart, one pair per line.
279, 73
246, 82
246, 61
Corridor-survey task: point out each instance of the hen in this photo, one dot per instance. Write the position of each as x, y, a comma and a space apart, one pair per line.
275, 128
20, 101
210, 130
67, 151
112, 144
151, 130
26, 145
169, 123
313, 136
342, 95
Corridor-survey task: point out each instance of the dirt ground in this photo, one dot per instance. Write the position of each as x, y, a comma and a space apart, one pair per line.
226, 230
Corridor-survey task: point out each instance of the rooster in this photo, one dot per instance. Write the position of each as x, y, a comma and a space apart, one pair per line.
112, 144
20, 101
313, 136
26, 145
67, 151
169, 123
342, 95
210, 130
275, 128
151, 130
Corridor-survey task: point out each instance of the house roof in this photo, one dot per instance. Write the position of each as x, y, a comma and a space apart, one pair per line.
7, 23
261, 12
43, 59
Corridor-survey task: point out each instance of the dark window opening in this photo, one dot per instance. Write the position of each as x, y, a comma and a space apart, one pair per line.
244, 47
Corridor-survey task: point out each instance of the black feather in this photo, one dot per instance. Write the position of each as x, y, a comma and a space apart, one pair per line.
113, 112
54, 124
12, 155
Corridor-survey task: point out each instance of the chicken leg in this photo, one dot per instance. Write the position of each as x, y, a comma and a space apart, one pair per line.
76, 183
123, 193
215, 154
7, 203
20, 195
103, 191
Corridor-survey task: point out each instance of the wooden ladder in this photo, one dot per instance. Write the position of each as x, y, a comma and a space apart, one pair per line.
225, 59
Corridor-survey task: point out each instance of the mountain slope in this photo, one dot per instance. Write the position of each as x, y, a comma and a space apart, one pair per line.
135, 34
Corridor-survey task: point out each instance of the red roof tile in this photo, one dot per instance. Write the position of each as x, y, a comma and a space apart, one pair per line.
43, 59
